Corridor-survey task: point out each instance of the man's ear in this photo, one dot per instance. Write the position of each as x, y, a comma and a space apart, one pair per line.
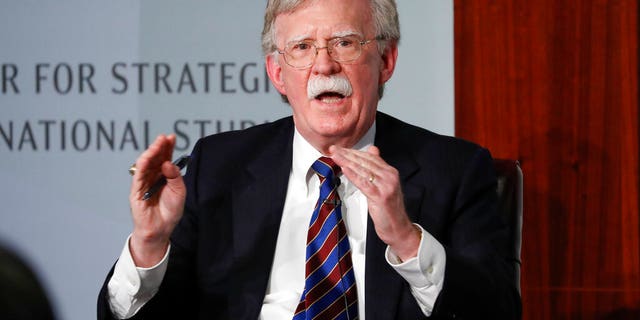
388, 63
274, 70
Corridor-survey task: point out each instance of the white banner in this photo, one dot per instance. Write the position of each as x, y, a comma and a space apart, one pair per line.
85, 86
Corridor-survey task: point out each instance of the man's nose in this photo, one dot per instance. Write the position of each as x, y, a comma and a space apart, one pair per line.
324, 63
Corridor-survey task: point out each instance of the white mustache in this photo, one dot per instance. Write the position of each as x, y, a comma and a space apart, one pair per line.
333, 83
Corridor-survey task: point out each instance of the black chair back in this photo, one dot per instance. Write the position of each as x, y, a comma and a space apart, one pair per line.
509, 175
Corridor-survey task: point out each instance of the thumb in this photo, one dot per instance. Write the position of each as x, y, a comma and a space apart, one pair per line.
174, 178
173, 175
170, 170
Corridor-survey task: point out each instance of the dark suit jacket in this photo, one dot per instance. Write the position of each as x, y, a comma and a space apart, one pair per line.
223, 247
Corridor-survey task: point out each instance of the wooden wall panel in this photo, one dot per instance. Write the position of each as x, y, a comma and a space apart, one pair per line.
554, 83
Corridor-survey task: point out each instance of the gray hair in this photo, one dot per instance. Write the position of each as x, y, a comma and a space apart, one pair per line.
384, 13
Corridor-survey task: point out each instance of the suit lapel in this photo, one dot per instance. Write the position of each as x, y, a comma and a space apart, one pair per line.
257, 201
383, 284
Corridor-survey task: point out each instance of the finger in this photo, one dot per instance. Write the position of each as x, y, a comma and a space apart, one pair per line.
169, 144
352, 164
378, 167
174, 177
149, 164
155, 154
373, 150
356, 171
369, 160
170, 170
362, 164
362, 182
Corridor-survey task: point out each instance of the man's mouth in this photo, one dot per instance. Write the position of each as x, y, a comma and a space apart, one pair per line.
329, 97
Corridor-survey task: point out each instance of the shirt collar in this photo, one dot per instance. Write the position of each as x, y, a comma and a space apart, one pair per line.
304, 154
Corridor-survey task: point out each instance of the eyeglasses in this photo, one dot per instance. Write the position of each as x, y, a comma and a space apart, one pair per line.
301, 54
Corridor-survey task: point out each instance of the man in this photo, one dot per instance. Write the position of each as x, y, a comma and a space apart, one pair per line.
229, 242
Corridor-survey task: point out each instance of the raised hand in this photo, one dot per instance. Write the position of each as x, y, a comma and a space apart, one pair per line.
380, 183
154, 219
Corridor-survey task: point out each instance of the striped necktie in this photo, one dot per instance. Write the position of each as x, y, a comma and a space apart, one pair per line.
330, 286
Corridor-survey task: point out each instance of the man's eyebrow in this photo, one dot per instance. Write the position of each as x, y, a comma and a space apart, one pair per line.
346, 33
339, 34
299, 38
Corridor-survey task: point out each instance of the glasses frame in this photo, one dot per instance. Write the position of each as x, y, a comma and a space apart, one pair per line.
329, 51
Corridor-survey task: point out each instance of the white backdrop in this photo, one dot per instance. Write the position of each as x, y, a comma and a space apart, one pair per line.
85, 85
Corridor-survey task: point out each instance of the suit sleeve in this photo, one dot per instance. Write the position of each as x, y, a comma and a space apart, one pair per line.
478, 280
177, 295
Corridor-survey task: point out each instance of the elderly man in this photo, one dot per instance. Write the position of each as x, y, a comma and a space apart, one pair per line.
338, 212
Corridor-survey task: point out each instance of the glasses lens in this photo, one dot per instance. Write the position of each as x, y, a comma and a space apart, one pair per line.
345, 49
300, 54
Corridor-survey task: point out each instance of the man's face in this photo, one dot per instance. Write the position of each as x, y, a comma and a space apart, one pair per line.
331, 118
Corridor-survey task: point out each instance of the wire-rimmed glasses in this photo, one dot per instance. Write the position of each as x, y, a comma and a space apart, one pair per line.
301, 54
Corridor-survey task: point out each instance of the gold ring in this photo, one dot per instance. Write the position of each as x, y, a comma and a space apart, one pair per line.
132, 169
372, 178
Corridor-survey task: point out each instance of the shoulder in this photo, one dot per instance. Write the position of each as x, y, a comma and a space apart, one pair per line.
242, 145
423, 145
219, 159
227, 151
253, 137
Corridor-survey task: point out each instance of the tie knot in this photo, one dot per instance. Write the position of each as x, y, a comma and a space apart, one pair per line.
326, 168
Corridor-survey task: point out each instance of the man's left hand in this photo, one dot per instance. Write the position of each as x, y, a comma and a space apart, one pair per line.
380, 183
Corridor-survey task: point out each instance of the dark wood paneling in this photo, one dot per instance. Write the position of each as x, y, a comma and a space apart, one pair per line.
554, 83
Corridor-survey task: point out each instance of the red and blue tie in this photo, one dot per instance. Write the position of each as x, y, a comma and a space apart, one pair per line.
330, 286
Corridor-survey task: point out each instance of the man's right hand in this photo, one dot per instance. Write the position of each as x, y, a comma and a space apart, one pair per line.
154, 219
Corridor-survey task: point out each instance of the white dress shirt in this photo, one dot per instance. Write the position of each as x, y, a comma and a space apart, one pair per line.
131, 287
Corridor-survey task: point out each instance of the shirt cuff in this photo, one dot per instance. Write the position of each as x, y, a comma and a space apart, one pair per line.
425, 272
130, 287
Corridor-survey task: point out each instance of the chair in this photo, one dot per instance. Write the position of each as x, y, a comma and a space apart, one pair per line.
509, 175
